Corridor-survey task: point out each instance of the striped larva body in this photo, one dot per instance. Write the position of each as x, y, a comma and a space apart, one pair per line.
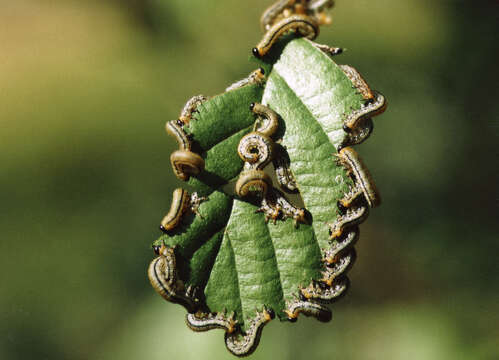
339, 245
273, 12
162, 274
181, 203
283, 173
325, 295
373, 108
358, 81
204, 322
243, 345
303, 25
174, 129
339, 266
362, 178
186, 163
255, 149
308, 308
255, 77
270, 119
190, 107
253, 181
353, 216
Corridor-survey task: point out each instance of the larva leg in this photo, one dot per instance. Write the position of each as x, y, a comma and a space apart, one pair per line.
308, 308
270, 119
340, 244
186, 163
303, 25
270, 208
190, 107
195, 201
362, 130
361, 176
243, 345
162, 274
204, 322
255, 77
358, 82
340, 265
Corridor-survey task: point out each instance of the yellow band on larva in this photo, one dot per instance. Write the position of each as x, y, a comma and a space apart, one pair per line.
204, 322
303, 25
186, 163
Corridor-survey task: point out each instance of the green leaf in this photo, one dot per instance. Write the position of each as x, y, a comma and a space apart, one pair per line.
242, 263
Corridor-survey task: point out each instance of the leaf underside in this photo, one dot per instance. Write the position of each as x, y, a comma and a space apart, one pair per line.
242, 262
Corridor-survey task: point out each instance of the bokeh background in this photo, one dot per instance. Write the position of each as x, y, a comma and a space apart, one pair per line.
85, 90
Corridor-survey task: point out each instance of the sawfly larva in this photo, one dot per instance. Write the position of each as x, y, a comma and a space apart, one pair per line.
186, 163
326, 295
255, 149
162, 274
358, 82
362, 178
353, 216
205, 322
270, 119
253, 181
303, 25
175, 130
181, 203
190, 107
373, 108
243, 345
308, 308
255, 77
340, 244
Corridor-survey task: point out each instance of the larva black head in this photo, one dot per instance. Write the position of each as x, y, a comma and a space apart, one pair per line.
341, 207
292, 319
262, 71
162, 228
338, 51
256, 53
271, 313
156, 249
252, 106
346, 129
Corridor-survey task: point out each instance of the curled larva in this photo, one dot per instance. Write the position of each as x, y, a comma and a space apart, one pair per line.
243, 345
340, 266
205, 322
162, 274
186, 163
255, 77
308, 308
181, 203
174, 129
270, 119
282, 169
362, 178
256, 149
253, 181
373, 108
323, 294
353, 216
303, 25
190, 107
362, 130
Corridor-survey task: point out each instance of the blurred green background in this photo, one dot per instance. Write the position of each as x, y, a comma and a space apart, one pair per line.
85, 90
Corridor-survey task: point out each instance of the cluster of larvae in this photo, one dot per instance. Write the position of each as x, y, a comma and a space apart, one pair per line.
257, 149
